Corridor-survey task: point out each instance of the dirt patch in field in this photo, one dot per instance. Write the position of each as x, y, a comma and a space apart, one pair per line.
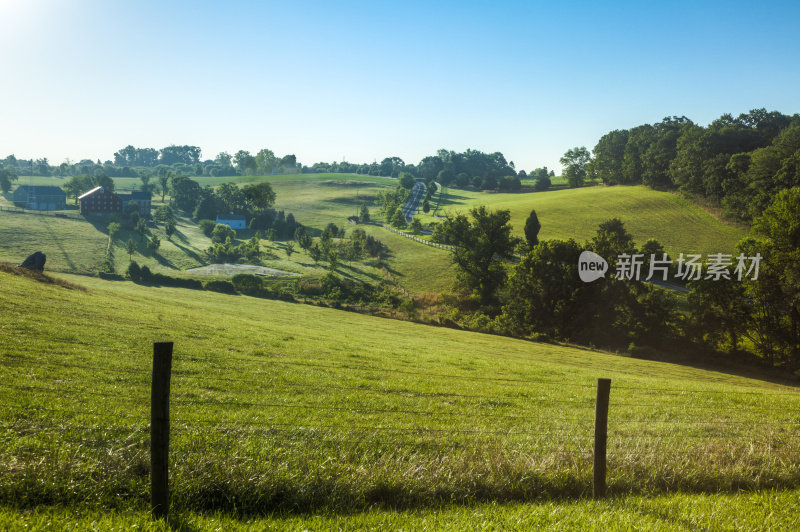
229, 270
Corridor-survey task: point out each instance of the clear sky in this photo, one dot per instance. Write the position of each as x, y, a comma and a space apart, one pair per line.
366, 80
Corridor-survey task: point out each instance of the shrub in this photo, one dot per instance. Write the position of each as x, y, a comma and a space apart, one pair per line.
224, 287
207, 226
246, 283
398, 220
222, 233
543, 183
408, 307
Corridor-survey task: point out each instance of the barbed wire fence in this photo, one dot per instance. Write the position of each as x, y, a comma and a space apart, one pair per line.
640, 417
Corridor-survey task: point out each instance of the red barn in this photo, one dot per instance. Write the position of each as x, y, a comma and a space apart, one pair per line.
99, 201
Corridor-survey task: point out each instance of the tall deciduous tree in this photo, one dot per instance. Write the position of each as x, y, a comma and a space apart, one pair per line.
575, 161
480, 243
77, 185
608, 155
260, 195
7, 175
130, 247
780, 224
245, 163
185, 193
266, 161
163, 179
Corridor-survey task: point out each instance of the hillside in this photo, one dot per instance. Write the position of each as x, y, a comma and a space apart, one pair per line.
286, 407
680, 225
318, 199
74, 245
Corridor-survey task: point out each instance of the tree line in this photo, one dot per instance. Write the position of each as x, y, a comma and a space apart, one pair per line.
135, 162
739, 163
471, 168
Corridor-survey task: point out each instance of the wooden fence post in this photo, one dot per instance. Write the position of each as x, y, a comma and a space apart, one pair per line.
601, 437
159, 429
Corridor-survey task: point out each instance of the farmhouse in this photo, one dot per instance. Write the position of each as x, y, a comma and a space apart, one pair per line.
140, 198
40, 198
234, 221
99, 201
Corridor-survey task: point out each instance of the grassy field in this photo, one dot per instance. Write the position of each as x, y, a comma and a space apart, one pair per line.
314, 199
680, 225
318, 199
768, 510
70, 245
287, 408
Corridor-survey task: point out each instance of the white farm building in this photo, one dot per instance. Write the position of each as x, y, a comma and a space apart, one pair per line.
234, 221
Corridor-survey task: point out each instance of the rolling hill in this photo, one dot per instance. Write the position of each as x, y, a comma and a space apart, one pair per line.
318, 199
680, 225
280, 407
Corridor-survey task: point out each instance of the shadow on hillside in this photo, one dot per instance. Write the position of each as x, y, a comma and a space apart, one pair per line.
452, 199
190, 252
351, 200
353, 273
100, 224
181, 237
734, 365
163, 261
57, 241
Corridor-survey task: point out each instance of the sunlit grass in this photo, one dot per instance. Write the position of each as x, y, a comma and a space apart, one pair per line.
286, 407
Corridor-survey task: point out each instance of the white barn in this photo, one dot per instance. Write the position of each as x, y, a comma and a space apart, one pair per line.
234, 221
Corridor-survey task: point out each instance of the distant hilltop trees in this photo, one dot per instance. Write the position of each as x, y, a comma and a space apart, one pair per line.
136, 162
740, 163
471, 168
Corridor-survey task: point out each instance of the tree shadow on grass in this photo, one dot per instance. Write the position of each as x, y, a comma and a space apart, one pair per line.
190, 252
452, 199
57, 240
163, 261
181, 237
100, 224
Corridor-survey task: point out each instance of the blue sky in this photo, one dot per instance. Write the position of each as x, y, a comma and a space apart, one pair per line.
365, 80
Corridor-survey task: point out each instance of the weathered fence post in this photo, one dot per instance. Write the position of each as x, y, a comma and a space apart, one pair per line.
159, 429
601, 437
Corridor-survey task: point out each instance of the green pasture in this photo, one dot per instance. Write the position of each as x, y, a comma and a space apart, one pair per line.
318, 199
71, 245
766, 510
680, 225
314, 199
316, 414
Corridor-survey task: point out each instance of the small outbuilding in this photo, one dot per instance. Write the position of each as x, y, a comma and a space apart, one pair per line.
234, 221
40, 198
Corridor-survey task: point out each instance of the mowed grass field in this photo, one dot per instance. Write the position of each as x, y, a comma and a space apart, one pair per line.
680, 225
314, 416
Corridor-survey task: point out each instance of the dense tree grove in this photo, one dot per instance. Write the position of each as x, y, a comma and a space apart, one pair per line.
740, 163
472, 168
183, 160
